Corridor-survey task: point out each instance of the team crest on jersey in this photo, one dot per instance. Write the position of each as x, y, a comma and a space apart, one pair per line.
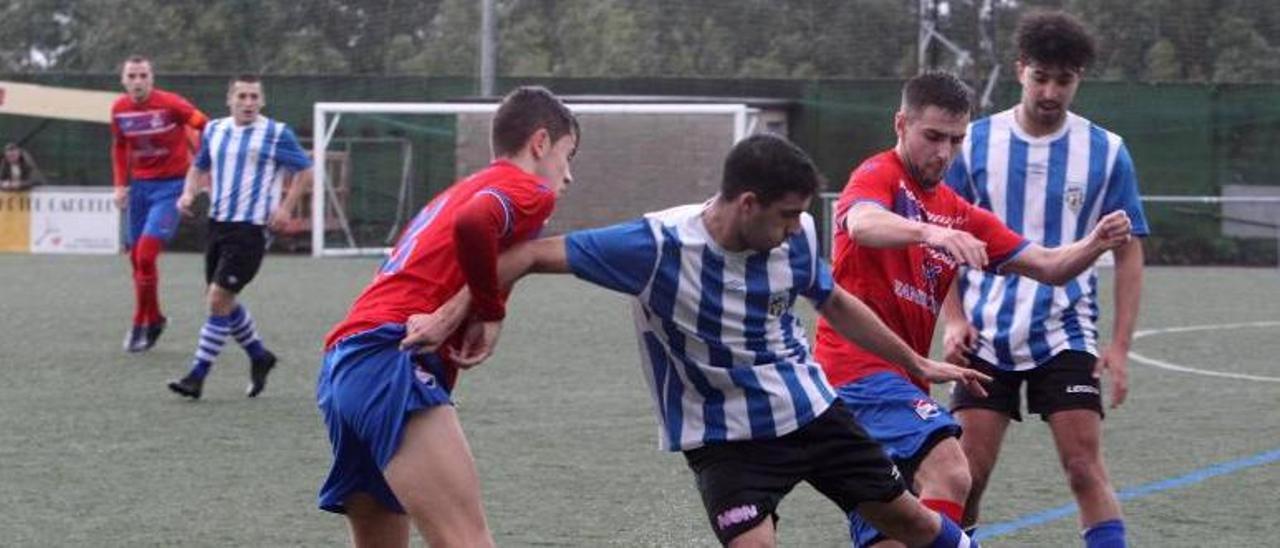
1074, 197
926, 409
778, 303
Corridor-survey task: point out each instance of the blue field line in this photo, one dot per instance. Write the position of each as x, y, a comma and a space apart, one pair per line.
1146, 489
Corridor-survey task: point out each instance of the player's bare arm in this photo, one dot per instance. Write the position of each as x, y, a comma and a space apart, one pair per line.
874, 226
479, 339
299, 185
197, 181
544, 255
427, 331
1057, 266
1128, 294
857, 323
958, 336
120, 170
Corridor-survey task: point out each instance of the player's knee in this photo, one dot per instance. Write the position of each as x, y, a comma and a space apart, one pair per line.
945, 474
958, 481
221, 302
1084, 473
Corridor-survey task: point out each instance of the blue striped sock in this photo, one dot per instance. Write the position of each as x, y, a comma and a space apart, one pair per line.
212, 337
246, 332
1105, 534
950, 536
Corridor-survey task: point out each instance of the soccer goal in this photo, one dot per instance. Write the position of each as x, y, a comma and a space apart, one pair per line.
383, 161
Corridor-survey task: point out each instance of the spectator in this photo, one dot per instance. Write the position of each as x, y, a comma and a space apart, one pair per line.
18, 169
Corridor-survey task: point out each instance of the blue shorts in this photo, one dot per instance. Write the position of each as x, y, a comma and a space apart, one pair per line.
904, 419
366, 391
153, 209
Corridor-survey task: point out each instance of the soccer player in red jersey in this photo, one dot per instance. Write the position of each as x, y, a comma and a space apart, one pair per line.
152, 132
899, 240
398, 447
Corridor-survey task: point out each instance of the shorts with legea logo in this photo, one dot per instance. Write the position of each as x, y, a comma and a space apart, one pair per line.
742, 482
1063, 383
366, 392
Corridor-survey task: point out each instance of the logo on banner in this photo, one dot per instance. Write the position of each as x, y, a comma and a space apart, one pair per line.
68, 220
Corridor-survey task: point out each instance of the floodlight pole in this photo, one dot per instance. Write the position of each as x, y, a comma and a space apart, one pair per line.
488, 48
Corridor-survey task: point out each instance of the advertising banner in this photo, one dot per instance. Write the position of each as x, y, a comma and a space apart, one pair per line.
80, 220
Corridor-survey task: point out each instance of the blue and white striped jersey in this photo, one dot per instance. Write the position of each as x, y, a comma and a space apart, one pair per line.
724, 356
1052, 190
246, 164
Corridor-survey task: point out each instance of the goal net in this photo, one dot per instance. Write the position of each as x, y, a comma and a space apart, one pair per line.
384, 161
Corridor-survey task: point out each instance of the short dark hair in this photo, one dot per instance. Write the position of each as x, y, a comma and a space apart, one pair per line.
939, 89
770, 167
526, 110
245, 77
136, 58
1054, 39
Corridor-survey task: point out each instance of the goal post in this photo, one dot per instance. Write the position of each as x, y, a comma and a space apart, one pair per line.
742, 118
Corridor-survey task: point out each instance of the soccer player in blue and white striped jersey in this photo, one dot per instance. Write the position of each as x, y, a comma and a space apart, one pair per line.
243, 160
734, 384
1050, 175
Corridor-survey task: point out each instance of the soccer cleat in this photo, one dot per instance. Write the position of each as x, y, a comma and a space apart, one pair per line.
258, 371
153, 332
136, 339
188, 386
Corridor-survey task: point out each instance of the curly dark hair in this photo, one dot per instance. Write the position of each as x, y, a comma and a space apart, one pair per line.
1054, 39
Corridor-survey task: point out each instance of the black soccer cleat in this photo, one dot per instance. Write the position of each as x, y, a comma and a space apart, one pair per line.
153, 332
258, 371
136, 339
188, 386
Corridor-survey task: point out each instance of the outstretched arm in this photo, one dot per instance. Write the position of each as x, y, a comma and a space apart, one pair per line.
874, 226
856, 322
545, 255
1058, 265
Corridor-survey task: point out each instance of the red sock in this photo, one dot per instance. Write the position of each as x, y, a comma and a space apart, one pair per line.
953, 510
139, 307
146, 280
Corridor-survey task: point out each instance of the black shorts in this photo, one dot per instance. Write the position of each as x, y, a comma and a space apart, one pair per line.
742, 482
1064, 382
234, 254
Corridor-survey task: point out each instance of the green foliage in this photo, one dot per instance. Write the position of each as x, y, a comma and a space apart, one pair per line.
1179, 40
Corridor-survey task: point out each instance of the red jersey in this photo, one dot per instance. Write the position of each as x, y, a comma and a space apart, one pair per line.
423, 271
905, 287
149, 139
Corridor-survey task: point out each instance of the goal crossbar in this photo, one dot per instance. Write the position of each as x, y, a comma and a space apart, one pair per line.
326, 116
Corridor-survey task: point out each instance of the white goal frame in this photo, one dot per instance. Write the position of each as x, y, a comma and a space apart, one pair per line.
326, 116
